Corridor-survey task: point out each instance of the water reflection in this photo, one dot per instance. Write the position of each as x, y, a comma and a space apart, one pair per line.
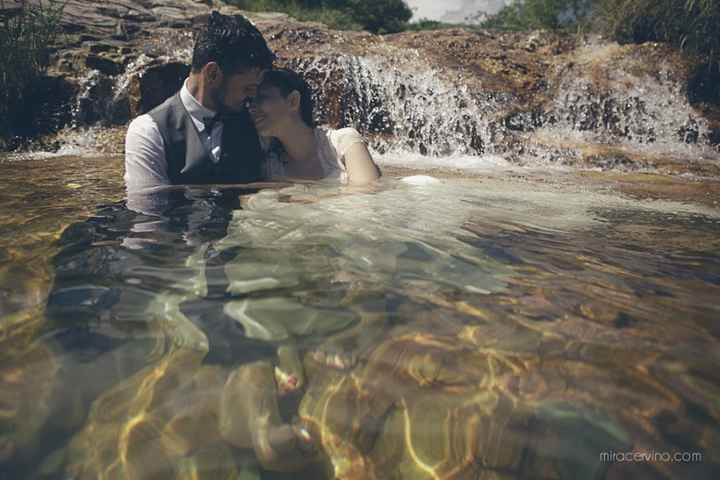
453, 330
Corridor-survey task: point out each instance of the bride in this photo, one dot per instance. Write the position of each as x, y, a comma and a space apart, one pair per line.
295, 148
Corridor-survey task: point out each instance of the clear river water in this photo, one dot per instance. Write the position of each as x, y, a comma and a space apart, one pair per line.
504, 325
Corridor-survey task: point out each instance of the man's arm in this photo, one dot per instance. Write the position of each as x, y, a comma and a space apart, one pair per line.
145, 164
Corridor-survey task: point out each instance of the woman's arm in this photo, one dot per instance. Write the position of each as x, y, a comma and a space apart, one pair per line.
361, 168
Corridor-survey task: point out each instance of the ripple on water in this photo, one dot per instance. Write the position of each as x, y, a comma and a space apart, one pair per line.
495, 326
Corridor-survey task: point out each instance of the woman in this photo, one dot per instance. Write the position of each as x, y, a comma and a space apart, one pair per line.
295, 147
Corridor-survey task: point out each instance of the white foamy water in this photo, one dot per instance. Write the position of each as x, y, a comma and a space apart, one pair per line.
469, 163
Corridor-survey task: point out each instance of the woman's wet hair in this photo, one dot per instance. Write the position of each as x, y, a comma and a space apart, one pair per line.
233, 42
288, 81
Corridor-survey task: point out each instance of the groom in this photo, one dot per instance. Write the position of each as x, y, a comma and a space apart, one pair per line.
204, 134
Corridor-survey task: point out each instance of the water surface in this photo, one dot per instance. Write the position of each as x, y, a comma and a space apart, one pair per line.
510, 325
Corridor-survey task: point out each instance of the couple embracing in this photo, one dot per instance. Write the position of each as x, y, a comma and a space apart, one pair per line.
238, 120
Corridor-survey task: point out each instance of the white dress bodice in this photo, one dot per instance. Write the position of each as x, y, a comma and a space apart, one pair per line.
332, 147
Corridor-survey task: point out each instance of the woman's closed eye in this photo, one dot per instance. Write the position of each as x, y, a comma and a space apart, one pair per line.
261, 99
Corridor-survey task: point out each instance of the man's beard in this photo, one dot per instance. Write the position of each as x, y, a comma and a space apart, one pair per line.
219, 98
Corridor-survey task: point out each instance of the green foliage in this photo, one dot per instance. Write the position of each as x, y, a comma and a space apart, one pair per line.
541, 14
381, 16
378, 16
693, 25
329, 12
426, 24
689, 24
25, 35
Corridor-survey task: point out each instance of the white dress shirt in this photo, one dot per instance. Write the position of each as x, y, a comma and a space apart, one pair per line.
145, 164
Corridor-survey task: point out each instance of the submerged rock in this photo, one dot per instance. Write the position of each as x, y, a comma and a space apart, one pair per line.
435, 406
28, 381
250, 418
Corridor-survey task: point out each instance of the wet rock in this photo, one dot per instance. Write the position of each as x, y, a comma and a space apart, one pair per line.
195, 423
417, 412
216, 461
97, 47
154, 84
10, 8
433, 406
103, 64
136, 429
250, 418
94, 103
436, 93
27, 383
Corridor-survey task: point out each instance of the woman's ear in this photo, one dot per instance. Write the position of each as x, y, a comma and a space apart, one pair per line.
294, 99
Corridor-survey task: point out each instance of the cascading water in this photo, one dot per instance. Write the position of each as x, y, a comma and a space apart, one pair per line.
648, 111
408, 107
134, 68
94, 102
405, 105
104, 100
418, 113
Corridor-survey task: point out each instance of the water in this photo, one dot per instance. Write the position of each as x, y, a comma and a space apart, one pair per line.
509, 325
405, 103
599, 111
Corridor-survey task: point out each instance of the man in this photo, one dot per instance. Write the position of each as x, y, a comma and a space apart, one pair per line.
204, 134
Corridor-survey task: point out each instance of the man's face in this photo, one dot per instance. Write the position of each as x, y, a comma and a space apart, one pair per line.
236, 88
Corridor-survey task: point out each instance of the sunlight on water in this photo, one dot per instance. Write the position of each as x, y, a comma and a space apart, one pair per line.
506, 326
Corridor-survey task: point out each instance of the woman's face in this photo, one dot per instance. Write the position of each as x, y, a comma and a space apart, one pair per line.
270, 111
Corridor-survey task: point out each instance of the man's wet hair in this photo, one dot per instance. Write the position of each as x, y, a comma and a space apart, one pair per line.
288, 81
233, 42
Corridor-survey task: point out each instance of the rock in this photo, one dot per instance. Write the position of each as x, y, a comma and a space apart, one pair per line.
31, 374
417, 403
159, 81
103, 46
138, 428
10, 8
528, 97
103, 64
431, 405
216, 461
250, 418
197, 417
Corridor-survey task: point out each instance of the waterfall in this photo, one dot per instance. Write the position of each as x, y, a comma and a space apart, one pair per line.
407, 106
600, 107
404, 105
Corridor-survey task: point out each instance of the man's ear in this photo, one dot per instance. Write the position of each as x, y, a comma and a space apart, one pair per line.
212, 73
294, 99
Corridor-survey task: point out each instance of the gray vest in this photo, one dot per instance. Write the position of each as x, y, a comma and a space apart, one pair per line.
189, 162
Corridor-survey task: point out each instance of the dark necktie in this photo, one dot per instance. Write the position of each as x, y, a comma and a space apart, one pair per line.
211, 121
